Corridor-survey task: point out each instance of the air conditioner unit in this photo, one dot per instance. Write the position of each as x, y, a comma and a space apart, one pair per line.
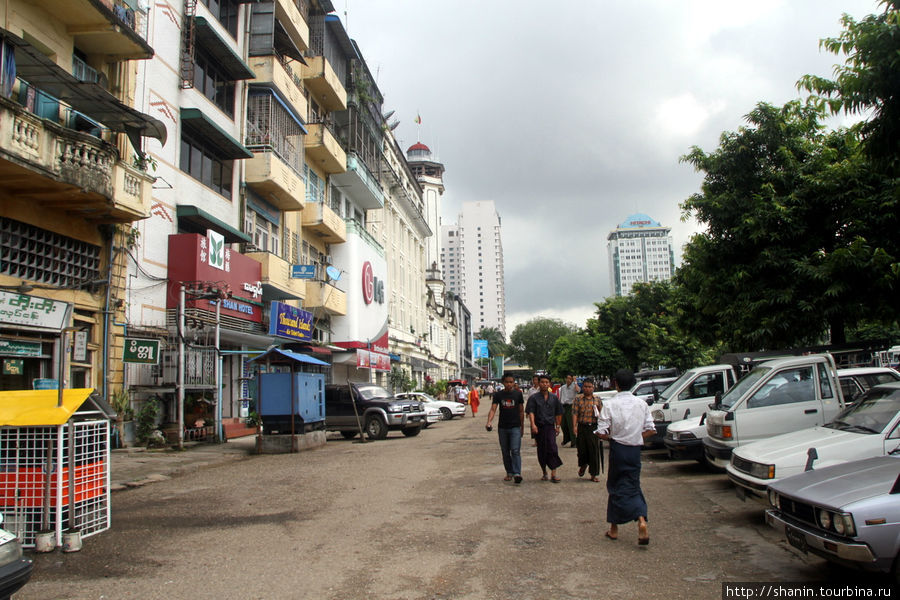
329, 260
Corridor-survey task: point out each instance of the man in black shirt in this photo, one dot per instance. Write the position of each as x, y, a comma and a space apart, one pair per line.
509, 426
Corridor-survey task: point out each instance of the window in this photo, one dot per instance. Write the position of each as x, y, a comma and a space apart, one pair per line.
199, 161
211, 81
225, 11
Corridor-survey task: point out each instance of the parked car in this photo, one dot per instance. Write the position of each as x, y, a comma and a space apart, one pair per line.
778, 396
871, 427
847, 514
15, 569
648, 389
689, 396
684, 439
856, 381
376, 409
447, 408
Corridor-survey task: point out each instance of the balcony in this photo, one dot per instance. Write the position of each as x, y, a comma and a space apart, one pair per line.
271, 71
276, 278
293, 22
323, 149
358, 183
269, 176
116, 29
319, 218
324, 295
66, 170
322, 81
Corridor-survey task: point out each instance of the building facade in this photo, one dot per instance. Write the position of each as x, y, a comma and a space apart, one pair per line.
640, 250
472, 262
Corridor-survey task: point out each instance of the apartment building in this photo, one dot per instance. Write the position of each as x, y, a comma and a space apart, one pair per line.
639, 250
73, 178
472, 260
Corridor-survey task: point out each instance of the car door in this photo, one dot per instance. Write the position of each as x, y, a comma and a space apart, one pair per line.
788, 401
699, 394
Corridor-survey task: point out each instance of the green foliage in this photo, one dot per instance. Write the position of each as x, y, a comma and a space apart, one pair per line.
400, 380
497, 346
438, 389
799, 238
584, 354
253, 419
531, 342
867, 80
146, 419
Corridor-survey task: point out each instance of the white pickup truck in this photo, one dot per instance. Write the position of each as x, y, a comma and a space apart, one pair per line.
688, 396
781, 395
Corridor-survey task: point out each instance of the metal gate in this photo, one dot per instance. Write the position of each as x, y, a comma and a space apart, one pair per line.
28, 454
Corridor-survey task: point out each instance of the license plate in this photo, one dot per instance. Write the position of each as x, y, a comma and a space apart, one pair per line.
796, 539
740, 493
414, 419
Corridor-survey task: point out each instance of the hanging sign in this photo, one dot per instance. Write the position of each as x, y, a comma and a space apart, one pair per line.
17, 348
13, 366
290, 322
141, 351
32, 311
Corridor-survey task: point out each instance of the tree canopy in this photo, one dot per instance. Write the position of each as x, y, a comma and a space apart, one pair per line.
799, 238
496, 344
532, 341
584, 354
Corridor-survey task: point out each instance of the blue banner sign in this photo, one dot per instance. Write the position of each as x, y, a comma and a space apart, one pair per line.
480, 349
303, 271
45, 384
289, 322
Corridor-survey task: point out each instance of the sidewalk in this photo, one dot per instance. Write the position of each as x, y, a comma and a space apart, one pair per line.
134, 467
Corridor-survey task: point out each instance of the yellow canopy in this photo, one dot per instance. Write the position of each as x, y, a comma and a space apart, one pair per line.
29, 408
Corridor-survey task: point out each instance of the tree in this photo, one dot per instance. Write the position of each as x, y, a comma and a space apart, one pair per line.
867, 80
496, 344
798, 241
531, 342
584, 354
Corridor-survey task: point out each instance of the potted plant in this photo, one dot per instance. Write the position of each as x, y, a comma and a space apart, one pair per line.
121, 403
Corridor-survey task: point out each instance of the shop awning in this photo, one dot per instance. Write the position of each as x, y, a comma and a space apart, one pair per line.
88, 98
226, 146
221, 52
32, 408
202, 220
277, 355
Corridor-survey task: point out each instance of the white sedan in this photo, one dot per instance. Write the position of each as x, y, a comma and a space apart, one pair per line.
447, 408
871, 427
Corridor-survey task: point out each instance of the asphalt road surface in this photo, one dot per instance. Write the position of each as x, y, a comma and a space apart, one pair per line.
423, 517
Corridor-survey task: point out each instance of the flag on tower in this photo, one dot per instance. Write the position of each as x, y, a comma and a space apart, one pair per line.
418, 120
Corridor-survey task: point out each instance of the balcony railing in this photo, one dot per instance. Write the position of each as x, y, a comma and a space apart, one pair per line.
271, 129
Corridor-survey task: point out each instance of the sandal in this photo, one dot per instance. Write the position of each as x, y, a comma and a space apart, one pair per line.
595, 479
507, 478
644, 539
612, 537
555, 479
544, 478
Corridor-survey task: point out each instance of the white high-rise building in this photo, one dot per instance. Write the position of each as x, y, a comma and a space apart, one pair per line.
472, 261
640, 250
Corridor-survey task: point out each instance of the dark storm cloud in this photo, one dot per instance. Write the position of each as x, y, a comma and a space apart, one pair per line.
573, 119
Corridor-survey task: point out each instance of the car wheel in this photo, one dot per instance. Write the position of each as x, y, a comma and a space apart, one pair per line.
412, 431
376, 428
349, 435
446, 414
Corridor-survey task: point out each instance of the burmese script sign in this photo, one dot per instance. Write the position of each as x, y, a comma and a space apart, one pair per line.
31, 311
290, 322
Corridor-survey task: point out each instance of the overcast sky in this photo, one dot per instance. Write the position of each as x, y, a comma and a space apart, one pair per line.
572, 116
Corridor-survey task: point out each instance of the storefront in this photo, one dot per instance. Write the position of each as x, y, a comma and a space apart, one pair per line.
31, 329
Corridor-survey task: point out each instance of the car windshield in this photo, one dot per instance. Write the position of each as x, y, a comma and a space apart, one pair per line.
872, 413
748, 381
370, 391
667, 393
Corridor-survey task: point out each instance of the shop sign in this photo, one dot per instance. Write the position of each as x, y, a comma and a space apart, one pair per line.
32, 311
372, 287
480, 349
366, 359
79, 350
45, 384
141, 351
15, 348
13, 366
290, 322
303, 271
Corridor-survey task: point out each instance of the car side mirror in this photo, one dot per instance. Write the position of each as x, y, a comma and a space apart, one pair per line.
718, 401
655, 395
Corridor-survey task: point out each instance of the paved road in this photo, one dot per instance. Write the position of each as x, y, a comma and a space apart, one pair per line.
424, 517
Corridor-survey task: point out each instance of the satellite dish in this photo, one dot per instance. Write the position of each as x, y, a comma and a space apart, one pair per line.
394, 125
333, 273
388, 114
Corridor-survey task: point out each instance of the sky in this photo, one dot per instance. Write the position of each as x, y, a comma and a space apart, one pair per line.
573, 116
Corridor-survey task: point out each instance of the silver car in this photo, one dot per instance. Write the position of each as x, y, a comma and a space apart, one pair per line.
847, 513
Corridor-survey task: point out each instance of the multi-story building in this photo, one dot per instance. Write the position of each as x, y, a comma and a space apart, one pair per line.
72, 180
640, 250
472, 261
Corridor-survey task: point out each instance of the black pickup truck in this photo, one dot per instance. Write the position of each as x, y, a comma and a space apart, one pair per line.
378, 411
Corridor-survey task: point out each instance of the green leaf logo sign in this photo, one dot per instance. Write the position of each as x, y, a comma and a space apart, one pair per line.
216, 249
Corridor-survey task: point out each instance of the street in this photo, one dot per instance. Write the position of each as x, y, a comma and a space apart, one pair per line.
423, 517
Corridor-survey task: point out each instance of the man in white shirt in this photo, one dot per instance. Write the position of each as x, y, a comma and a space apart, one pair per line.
625, 421
567, 395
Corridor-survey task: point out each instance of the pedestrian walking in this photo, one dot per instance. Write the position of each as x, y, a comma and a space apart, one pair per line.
567, 393
625, 421
534, 389
462, 395
473, 400
545, 415
584, 422
510, 405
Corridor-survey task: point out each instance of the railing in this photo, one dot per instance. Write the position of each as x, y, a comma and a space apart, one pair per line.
83, 71
271, 129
